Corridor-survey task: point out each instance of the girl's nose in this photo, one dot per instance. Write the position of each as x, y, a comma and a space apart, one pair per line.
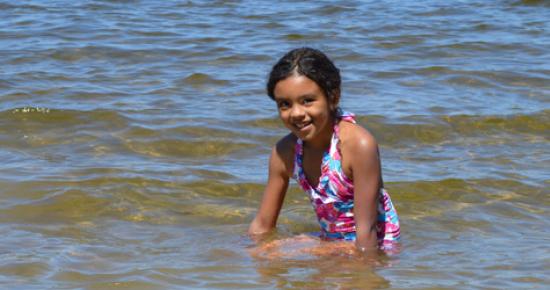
297, 112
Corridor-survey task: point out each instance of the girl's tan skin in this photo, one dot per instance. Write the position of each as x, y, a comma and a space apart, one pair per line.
307, 112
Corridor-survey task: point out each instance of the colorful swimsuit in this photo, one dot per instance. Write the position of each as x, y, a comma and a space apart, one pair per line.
332, 199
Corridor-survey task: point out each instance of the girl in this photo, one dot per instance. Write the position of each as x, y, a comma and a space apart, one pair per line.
334, 160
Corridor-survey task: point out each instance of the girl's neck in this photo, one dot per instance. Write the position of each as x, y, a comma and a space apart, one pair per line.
322, 142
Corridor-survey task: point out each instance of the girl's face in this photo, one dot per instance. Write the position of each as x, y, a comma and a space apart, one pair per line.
304, 109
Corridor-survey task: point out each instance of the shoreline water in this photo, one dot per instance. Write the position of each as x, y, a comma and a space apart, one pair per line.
134, 137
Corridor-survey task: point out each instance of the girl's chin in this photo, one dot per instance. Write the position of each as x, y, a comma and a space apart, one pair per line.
304, 133
305, 137
307, 130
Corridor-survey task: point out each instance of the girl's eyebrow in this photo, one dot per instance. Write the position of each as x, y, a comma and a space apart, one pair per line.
308, 96
283, 98
280, 98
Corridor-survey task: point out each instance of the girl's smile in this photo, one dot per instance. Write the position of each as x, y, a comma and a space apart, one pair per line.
304, 109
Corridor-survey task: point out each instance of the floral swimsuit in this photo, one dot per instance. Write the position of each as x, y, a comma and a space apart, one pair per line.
332, 199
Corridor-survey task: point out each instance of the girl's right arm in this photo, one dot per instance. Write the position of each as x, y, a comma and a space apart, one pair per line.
275, 190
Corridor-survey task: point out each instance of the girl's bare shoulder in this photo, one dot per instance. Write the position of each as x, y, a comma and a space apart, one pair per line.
354, 138
284, 150
286, 144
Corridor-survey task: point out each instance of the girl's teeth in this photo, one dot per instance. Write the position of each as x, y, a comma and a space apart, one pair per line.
300, 126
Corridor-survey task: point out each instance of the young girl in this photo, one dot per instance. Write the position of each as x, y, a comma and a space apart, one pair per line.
334, 160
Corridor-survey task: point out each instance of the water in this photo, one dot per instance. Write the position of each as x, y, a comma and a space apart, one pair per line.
134, 138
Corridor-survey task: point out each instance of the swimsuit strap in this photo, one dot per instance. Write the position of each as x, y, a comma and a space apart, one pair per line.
343, 116
347, 116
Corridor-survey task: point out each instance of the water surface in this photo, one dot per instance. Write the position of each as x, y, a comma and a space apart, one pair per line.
134, 138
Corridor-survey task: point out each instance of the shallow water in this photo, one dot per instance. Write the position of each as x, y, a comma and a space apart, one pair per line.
134, 138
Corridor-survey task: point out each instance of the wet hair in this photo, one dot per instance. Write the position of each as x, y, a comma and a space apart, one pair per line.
308, 62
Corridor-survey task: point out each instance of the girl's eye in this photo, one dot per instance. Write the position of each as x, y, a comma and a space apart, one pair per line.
283, 105
308, 101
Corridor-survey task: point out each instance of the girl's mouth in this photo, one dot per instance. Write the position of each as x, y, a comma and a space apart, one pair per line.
302, 126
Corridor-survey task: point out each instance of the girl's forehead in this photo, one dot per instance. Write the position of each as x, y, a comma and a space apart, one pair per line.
296, 85
294, 81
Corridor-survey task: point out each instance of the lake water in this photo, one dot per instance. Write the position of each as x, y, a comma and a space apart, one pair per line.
134, 138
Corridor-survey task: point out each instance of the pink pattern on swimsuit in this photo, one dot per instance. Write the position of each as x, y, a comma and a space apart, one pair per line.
332, 199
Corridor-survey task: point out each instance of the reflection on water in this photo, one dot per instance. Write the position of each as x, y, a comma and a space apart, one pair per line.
333, 273
134, 139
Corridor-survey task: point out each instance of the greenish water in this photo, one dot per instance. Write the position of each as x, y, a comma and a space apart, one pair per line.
134, 138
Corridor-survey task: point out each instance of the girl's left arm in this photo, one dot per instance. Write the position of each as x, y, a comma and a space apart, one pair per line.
365, 167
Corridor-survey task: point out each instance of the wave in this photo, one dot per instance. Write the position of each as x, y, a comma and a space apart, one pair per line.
531, 3
439, 128
46, 115
151, 134
146, 199
201, 80
484, 79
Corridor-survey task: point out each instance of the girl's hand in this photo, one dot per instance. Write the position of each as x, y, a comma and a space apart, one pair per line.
304, 246
285, 248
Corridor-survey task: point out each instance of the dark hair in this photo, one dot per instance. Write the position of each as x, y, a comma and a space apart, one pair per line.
311, 63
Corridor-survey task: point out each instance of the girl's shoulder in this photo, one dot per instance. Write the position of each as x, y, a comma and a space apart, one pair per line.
286, 144
284, 150
354, 138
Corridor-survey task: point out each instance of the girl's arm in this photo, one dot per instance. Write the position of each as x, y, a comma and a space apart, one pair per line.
275, 190
365, 168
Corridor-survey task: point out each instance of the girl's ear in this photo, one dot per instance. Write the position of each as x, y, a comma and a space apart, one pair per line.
335, 100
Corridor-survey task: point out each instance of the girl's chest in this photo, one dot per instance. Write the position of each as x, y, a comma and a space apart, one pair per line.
311, 165
315, 164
